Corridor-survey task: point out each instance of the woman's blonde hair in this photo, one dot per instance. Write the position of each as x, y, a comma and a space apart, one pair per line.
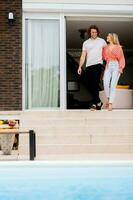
115, 38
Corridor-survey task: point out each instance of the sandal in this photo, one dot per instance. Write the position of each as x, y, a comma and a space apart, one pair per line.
106, 105
110, 107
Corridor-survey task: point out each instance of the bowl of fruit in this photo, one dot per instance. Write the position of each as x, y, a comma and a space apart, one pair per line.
11, 123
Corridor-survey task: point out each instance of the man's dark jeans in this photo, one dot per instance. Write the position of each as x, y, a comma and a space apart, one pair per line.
92, 79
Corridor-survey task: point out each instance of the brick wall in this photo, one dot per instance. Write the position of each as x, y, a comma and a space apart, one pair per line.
10, 56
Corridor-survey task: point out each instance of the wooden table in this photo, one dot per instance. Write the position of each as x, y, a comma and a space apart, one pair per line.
32, 139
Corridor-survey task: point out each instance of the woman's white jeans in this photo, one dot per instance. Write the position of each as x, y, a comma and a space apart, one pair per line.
110, 80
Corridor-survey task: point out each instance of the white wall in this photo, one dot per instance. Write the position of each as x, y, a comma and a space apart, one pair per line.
82, 1
95, 7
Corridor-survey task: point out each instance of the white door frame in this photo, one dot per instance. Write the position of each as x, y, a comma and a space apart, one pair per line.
62, 78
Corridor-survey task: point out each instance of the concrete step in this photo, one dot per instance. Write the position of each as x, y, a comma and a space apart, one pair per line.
60, 134
103, 114
71, 157
84, 157
55, 123
79, 149
65, 120
77, 132
77, 129
79, 139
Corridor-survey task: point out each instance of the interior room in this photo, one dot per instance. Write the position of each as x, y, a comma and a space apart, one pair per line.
77, 94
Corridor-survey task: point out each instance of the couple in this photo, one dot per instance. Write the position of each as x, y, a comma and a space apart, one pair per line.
94, 51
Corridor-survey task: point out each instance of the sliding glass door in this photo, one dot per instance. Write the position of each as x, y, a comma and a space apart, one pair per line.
42, 63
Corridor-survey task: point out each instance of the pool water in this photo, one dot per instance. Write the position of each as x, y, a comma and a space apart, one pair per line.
40, 182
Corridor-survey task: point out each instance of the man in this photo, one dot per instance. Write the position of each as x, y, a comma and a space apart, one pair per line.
92, 53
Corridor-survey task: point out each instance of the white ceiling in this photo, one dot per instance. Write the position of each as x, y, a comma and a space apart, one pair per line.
122, 26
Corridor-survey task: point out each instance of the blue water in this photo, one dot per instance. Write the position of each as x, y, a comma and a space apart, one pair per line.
66, 183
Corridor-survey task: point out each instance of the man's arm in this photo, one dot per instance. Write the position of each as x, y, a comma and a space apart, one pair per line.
81, 62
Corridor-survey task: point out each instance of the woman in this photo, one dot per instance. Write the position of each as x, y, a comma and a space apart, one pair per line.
115, 63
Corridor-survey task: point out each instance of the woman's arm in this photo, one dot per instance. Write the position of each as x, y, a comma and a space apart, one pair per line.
121, 59
104, 55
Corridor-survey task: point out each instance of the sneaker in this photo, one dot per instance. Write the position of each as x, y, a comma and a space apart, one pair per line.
93, 107
99, 106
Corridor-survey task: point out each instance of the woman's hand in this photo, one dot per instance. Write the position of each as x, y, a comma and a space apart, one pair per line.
120, 70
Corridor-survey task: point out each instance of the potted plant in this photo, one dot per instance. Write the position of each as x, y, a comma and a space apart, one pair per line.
7, 140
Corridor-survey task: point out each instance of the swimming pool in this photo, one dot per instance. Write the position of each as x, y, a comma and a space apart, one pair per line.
63, 181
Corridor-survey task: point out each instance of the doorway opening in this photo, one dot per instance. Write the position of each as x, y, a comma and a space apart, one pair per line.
77, 94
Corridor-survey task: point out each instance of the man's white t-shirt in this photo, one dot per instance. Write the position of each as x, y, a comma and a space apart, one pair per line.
94, 48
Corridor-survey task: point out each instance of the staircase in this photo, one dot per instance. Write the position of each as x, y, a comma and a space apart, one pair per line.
79, 135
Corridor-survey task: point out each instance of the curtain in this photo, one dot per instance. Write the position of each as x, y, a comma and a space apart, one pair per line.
43, 63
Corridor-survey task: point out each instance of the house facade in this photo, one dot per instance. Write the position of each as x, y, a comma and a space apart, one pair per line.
39, 55
34, 65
